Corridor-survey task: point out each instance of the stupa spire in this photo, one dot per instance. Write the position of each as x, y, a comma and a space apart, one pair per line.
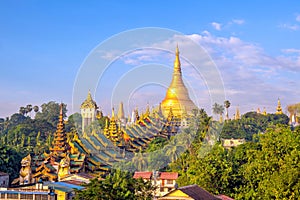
177, 95
278, 109
121, 111
177, 65
113, 114
59, 144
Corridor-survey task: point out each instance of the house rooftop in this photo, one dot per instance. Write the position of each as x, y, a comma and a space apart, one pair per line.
143, 175
169, 175
197, 193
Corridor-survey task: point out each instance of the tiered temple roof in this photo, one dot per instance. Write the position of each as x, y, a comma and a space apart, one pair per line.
60, 145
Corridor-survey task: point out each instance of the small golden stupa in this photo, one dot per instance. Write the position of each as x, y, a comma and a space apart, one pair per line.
279, 109
177, 96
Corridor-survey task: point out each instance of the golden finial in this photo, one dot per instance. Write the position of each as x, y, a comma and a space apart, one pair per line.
177, 61
113, 114
177, 49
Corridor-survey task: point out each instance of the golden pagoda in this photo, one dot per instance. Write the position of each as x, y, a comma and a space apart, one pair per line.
264, 112
121, 114
60, 139
177, 96
279, 109
237, 114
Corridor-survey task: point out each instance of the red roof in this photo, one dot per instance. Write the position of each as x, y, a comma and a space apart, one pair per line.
169, 175
143, 175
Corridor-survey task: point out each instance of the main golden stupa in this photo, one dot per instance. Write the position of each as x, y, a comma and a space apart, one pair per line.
177, 98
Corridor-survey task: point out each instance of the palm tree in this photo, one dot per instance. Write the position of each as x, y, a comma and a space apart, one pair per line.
173, 150
218, 110
227, 105
140, 162
28, 109
22, 110
35, 109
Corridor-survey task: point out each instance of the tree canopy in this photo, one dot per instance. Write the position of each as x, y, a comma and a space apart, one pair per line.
117, 185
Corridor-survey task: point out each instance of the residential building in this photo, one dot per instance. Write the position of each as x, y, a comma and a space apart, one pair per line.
164, 181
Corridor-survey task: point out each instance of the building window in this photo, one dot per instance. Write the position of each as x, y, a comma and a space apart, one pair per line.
12, 196
161, 189
2, 195
41, 197
26, 196
169, 182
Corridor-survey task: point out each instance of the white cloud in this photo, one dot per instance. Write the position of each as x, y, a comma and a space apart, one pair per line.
298, 18
293, 27
238, 21
216, 25
252, 78
291, 51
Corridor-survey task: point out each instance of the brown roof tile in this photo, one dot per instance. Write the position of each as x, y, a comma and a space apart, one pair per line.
197, 193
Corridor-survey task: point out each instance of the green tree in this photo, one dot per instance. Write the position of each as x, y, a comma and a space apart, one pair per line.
156, 144
218, 109
22, 110
273, 170
74, 121
117, 185
139, 161
35, 109
28, 109
50, 112
10, 161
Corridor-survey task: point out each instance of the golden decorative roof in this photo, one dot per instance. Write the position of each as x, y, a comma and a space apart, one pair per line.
89, 102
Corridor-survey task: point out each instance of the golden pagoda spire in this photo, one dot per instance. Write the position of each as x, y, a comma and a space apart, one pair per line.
112, 114
121, 111
278, 109
147, 112
177, 64
105, 130
258, 111
265, 111
137, 116
177, 95
60, 139
237, 114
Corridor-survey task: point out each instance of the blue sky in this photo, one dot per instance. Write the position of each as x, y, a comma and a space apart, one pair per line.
255, 45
